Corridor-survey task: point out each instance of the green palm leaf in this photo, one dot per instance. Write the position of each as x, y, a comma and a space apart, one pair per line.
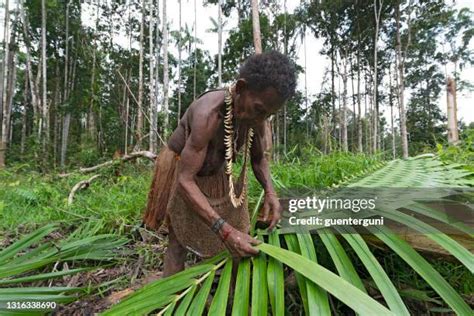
420, 265
275, 279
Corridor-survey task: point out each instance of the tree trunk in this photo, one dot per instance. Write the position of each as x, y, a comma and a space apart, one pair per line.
3, 74
359, 107
139, 130
65, 92
354, 116
165, 70
377, 13
157, 68
29, 69
127, 111
195, 50
179, 62
285, 110
333, 94
45, 80
64, 138
6, 49
453, 136
152, 110
24, 113
394, 150
8, 101
219, 42
257, 38
401, 85
306, 87
257, 41
345, 146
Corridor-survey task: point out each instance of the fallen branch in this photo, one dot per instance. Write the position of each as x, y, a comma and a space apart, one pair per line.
80, 185
143, 154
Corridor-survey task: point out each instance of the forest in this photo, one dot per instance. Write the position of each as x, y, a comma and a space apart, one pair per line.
90, 92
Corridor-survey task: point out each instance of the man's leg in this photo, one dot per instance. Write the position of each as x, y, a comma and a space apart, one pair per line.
175, 255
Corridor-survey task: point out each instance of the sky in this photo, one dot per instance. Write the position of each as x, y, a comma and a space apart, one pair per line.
316, 63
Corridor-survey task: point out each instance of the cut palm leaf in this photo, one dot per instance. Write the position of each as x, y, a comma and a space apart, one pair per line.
423, 268
341, 289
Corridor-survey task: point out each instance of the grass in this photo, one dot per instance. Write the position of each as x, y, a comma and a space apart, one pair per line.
29, 199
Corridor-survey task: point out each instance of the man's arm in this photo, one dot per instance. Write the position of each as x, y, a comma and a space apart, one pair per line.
203, 128
262, 173
259, 161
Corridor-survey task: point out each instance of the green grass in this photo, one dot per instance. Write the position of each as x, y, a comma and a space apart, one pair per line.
29, 199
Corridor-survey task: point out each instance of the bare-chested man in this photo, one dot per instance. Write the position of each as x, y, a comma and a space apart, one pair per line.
199, 212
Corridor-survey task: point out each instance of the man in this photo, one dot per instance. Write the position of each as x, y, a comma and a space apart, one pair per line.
193, 187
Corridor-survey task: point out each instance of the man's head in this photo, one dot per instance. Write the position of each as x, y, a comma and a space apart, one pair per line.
265, 82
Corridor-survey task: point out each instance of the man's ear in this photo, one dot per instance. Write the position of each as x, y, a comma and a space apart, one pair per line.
240, 86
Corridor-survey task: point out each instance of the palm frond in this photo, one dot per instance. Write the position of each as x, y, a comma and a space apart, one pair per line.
19, 264
259, 286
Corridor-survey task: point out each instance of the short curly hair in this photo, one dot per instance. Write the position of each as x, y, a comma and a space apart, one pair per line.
270, 69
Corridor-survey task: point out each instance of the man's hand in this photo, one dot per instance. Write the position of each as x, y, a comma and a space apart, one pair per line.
238, 243
271, 205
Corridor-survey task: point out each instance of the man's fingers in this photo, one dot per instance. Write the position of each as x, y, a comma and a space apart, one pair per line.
266, 210
254, 241
275, 220
252, 250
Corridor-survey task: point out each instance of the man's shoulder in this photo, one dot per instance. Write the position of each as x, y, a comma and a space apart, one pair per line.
207, 104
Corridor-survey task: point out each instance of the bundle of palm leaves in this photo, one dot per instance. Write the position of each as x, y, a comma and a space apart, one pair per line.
32, 260
260, 282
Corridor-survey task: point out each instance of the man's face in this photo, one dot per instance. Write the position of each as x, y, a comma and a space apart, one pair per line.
253, 107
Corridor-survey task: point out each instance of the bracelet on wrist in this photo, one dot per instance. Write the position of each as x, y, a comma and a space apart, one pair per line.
216, 227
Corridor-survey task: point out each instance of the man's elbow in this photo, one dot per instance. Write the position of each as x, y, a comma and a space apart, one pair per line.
183, 182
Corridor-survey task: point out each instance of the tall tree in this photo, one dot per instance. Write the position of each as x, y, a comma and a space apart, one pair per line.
453, 136
139, 129
377, 13
3, 74
195, 50
67, 116
343, 111
180, 48
401, 77
165, 70
151, 79
219, 42
257, 41
257, 38
33, 87
45, 105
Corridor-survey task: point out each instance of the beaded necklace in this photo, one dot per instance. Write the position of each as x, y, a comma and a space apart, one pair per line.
229, 152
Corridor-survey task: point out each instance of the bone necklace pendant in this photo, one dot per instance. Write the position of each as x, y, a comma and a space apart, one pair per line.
229, 152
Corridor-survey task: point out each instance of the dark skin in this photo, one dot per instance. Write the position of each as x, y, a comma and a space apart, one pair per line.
204, 154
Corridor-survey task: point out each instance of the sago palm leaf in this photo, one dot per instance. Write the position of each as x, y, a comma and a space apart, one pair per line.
18, 259
259, 286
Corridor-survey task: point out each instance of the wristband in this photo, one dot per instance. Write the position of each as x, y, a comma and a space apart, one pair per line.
217, 225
